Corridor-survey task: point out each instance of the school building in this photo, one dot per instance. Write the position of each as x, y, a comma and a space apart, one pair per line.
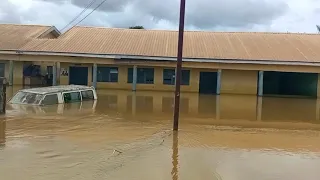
214, 62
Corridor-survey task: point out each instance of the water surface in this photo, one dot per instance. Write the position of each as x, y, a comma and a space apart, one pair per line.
126, 135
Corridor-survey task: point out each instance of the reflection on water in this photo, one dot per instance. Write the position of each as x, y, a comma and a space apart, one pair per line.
195, 108
127, 135
175, 156
2, 131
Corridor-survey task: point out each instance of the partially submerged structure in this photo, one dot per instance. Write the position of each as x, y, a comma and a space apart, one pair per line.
138, 59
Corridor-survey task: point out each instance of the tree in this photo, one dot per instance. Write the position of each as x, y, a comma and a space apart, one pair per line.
136, 27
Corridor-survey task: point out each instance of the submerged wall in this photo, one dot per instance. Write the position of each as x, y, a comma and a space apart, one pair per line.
235, 78
239, 82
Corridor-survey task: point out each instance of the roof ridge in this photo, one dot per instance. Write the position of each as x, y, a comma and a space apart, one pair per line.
15, 24
198, 31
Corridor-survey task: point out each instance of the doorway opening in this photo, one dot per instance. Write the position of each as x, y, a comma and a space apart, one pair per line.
78, 75
208, 83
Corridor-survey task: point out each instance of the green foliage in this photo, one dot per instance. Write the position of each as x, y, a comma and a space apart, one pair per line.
136, 27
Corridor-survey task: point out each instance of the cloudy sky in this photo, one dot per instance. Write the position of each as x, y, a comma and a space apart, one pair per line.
218, 15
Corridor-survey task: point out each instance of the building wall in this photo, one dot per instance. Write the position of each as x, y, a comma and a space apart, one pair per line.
158, 81
239, 82
64, 80
236, 78
203, 65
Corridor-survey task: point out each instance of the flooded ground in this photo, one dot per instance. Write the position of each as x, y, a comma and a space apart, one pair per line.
126, 135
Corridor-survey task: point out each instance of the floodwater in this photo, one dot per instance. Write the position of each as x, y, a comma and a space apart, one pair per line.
126, 135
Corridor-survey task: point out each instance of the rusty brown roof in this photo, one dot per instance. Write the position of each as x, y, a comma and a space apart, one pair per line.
198, 44
13, 36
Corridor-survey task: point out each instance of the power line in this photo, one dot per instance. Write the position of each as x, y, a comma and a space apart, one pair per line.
77, 22
77, 16
89, 14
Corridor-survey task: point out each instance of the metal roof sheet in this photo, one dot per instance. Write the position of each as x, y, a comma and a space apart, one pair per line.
291, 47
13, 36
56, 89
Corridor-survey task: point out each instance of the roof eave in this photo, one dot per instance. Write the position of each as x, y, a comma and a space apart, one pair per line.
159, 58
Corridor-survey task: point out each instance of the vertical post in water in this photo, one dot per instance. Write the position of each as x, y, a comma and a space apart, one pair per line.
54, 74
219, 82
11, 64
260, 83
58, 72
134, 78
179, 65
4, 94
94, 75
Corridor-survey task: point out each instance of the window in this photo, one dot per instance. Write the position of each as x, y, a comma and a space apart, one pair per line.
87, 95
26, 98
50, 99
144, 75
72, 97
107, 74
169, 76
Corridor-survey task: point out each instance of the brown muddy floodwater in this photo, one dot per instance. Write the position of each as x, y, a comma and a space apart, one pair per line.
126, 135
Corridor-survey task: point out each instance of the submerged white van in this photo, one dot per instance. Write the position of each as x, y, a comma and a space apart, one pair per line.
54, 95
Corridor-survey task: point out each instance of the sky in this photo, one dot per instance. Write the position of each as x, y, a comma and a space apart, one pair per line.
207, 15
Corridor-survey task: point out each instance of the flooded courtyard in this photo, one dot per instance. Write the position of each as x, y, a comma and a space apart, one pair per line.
127, 135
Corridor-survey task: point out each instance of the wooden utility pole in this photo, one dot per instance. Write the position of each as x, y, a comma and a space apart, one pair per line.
179, 66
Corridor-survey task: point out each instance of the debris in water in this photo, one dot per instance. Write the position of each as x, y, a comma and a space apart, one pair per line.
116, 151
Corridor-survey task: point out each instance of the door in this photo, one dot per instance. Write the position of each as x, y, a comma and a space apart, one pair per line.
208, 83
78, 75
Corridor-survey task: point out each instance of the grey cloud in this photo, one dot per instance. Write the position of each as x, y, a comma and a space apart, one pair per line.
7, 14
108, 5
201, 14
233, 13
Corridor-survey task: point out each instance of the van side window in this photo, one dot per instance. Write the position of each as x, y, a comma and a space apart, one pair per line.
50, 99
87, 95
72, 97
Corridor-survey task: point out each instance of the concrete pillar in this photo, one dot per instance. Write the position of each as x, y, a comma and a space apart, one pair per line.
134, 78
58, 72
94, 75
134, 103
54, 74
11, 69
260, 83
219, 81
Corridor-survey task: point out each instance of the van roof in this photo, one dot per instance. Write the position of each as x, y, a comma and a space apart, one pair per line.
56, 89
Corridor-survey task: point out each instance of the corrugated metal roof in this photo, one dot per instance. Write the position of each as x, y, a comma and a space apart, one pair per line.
197, 44
14, 36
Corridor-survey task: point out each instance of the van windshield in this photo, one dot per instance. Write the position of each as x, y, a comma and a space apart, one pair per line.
26, 98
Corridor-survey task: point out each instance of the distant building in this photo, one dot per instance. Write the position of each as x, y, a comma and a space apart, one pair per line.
214, 62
